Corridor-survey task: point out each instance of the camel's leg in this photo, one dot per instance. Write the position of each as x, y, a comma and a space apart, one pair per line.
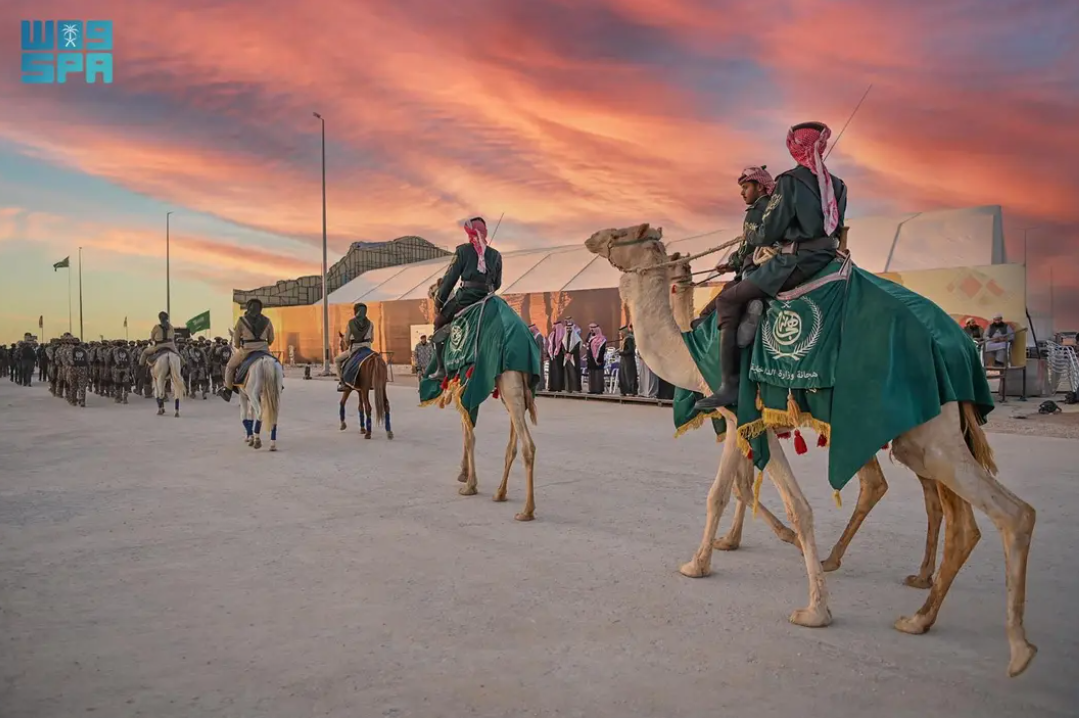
511, 454
730, 465
469, 489
924, 577
800, 513
733, 538
871, 488
938, 451
463, 475
514, 391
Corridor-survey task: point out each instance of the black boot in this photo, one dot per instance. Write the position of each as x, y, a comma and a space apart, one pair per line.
225, 394
440, 371
727, 395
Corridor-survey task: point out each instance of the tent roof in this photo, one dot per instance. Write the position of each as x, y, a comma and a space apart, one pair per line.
921, 240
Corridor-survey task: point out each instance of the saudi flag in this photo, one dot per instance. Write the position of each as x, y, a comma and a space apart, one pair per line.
63, 263
199, 323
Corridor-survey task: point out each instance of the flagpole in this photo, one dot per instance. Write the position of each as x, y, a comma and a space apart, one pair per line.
68, 298
80, 295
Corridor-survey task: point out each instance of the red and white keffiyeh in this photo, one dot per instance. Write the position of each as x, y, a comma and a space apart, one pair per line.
806, 143
596, 341
555, 338
759, 175
476, 229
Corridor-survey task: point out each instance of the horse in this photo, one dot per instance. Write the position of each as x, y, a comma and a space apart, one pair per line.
167, 365
373, 374
260, 400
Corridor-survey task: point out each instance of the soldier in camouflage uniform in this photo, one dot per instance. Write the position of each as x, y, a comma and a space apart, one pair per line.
120, 358
219, 357
51, 361
79, 373
198, 358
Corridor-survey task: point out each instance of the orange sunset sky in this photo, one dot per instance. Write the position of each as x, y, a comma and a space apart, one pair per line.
569, 116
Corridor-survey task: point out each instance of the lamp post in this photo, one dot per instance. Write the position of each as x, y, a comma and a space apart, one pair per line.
325, 298
168, 286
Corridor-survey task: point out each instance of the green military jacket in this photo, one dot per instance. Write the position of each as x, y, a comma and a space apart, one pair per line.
466, 268
742, 259
794, 214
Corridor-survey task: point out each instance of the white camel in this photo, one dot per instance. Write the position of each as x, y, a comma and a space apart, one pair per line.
167, 366
260, 400
516, 395
936, 451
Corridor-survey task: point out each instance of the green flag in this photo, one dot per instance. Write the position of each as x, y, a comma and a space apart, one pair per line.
199, 323
62, 264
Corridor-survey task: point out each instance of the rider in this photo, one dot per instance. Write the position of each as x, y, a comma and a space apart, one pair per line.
253, 332
797, 237
162, 336
479, 268
360, 335
756, 186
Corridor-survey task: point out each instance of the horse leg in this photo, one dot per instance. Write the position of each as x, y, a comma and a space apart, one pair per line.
342, 407
934, 513
871, 488
365, 413
386, 408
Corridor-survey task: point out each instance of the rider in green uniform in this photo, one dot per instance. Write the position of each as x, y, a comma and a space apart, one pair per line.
801, 226
479, 269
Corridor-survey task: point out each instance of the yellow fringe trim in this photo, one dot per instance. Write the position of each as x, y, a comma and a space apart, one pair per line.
696, 422
838, 500
757, 492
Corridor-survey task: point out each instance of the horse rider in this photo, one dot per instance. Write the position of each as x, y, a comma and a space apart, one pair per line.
797, 237
756, 186
253, 333
359, 335
479, 269
162, 336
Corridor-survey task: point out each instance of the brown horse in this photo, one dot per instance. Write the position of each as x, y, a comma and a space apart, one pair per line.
373, 375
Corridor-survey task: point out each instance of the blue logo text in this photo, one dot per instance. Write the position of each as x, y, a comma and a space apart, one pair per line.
54, 49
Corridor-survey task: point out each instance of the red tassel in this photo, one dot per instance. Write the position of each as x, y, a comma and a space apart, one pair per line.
468, 374
494, 394
822, 440
783, 435
445, 382
799, 443
750, 455
674, 289
885, 447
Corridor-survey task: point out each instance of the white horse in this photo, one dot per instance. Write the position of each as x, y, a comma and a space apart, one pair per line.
165, 366
260, 400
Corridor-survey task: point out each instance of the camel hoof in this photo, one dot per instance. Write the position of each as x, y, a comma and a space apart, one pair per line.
498, 498
811, 617
914, 625
725, 544
694, 570
918, 581
389, 435
343, 426
467, 491
523, 516
1021, 659
258, 443
830, 564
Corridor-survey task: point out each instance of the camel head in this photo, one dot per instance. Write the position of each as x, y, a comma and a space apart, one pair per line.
630, 248
680, 273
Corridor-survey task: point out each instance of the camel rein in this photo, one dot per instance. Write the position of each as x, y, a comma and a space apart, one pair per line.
641, 270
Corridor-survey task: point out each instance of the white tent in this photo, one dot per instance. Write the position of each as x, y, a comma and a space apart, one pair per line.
921, 240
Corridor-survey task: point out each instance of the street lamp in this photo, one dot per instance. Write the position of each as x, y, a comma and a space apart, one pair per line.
325, 298
168, 288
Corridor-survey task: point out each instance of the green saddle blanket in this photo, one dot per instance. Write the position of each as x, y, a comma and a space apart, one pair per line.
857, 358
485, 340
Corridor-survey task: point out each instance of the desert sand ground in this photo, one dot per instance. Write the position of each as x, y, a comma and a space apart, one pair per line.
159, 567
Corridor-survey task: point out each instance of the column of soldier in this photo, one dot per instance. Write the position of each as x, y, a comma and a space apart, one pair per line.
109, 368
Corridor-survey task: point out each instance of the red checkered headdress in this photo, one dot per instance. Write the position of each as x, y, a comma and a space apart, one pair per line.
806, 143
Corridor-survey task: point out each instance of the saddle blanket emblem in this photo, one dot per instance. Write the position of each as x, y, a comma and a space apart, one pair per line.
457, 337
793, 331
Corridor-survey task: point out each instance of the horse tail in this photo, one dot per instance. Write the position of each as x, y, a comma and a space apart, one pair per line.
179, 388
271, 391
975, 437
379, 378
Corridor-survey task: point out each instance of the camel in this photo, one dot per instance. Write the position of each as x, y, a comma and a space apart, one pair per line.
936, 451
260, 400
872, 485
373, 374
513, 389
165, 366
